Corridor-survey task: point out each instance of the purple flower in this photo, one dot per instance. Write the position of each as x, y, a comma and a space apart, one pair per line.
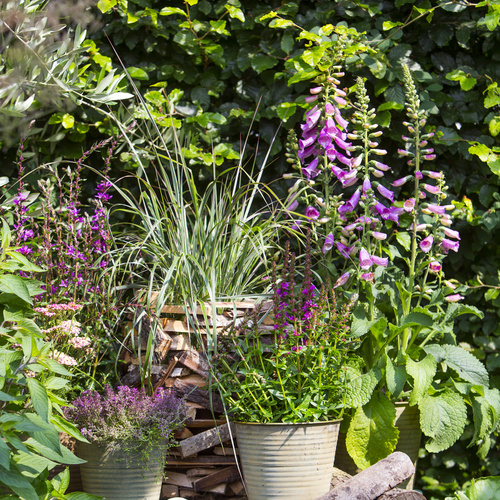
432, 189
426, 244
344, 250
436, 209
365, 260
379, 236
310, 172
434, 266
351, 204
409, 205
342, 280
435, 175
380, 261
399, 182
453, 298
381, 166
312, 213
450, 245
386, 193
366, 185
418, 175
328, 244
451, 234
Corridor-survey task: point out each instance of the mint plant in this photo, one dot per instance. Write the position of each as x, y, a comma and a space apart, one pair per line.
391, 252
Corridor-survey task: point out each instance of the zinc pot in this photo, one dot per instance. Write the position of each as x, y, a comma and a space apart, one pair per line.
408, 424
114, 473
284, 461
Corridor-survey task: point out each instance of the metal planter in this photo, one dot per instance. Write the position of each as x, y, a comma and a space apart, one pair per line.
115, 474
284, 461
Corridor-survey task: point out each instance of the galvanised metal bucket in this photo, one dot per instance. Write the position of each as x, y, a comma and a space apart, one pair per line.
115, 474
408, 424
285, 461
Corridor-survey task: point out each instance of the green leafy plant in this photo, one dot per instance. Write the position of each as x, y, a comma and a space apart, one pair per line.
483, 488
298, 373
405, 318
30, 383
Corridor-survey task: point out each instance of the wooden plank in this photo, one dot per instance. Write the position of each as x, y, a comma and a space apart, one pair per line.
176, 326
206, 423
204, 440
183, 433
199, 471
196, 362
237, 488
227, 475
194, 379
193, 393
176, 309
169, 491
163, 344
177, 479
199, 461
180, 342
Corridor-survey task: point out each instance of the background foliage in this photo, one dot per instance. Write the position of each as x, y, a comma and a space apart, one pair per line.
209, 65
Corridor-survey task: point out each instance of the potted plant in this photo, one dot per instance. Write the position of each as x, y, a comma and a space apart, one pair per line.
128, 433
285, 388
391, 253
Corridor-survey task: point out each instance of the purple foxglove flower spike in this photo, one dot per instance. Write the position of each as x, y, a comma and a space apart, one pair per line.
340, 120
429, 157
450, 245
312, 213
366, 185
378, 173
342, 280
365, 260
315, 90
426, 244
324, 139
344, 250
386, 193
329, 109
343, 159
452, 234
311, 98
328, 244
368, 277
418, 175
434, 175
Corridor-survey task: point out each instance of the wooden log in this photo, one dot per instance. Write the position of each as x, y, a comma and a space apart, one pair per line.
180, 342
196, 395
339, 477
205, 440
180, 372
194, 379
198, 461
237, 488
173, 309
227, 475
374, 481
183, 433
196, 362
177, 479
224, 450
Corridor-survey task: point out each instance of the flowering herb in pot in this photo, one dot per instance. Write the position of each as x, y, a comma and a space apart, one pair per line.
391, 252
130, 416
296, 373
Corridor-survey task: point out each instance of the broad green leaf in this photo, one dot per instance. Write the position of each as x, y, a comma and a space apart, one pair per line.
55, 383
18, 484
67, 427
15, 285
420, 318
61, 481
465, 364
105, 5
372, 434
468, 83
27, 325
65, 457
303, 75
168, 11
483, 418
54, 366
404, 239
387, 25
423, 373
137, 73
442, 418
360, 390
4, 455
81, 496
285, 110
6, 234
262, 62
68, 121
39, 398
491, 19
280, 23
494, 126
395, 377
235, 13
484, 488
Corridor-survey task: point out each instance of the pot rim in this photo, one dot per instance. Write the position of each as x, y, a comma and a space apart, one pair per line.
325, 422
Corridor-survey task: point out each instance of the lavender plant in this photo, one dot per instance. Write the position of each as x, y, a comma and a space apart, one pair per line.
299, 373
391, 252
71, 241
129, 415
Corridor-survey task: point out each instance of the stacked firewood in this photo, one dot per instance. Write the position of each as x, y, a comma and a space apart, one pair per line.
203, 464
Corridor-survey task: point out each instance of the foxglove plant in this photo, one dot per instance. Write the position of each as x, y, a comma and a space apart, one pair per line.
390, 251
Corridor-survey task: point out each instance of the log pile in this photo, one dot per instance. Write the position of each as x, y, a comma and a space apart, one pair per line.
203, 465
